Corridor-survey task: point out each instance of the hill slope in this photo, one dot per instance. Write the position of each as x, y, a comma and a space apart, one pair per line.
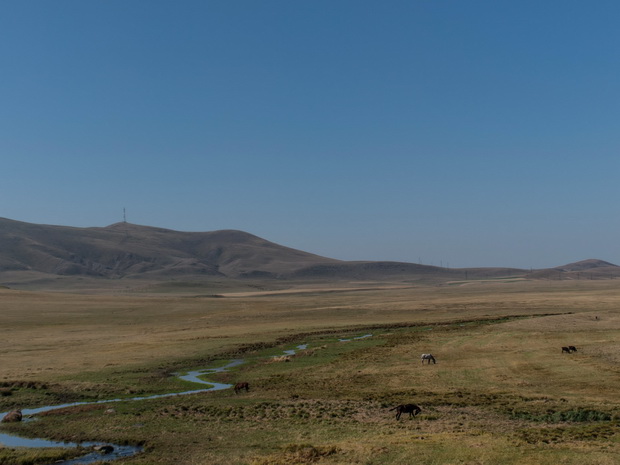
125, 250
585, 269
30, 252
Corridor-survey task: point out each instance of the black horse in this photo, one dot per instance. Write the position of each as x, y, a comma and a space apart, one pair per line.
572, 348
240, 386
411, 409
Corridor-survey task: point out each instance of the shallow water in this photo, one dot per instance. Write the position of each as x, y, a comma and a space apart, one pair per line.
117, 453
294, 351
358, 337
10, 440
194, 376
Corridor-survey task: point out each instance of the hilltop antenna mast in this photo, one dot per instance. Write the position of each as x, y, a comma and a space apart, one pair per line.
125, 223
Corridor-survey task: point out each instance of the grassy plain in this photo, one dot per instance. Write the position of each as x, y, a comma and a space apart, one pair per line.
501, 393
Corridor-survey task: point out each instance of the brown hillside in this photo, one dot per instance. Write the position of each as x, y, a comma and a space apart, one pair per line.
127, 250
34, 253
586, 265
585, 269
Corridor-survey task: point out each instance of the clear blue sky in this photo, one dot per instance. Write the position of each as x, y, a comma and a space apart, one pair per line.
462, 133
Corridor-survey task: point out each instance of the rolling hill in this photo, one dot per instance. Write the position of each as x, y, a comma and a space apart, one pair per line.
585, 269
30, 252
125, 250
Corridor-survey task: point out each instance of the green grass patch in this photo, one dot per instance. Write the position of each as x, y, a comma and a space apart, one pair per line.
566, 416
331, 404
36, 456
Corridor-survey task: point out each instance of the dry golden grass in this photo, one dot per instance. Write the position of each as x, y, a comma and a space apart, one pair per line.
487, 401
47, 334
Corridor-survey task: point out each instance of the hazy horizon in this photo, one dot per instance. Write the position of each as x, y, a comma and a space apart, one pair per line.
460, 134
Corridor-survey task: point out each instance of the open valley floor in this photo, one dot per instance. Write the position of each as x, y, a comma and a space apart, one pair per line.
502, 390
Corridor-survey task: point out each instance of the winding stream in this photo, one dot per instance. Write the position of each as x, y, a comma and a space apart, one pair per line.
117, 451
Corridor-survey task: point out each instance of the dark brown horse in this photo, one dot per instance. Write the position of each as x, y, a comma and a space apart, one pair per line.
411, 409
565, 349
240, 386
15, 415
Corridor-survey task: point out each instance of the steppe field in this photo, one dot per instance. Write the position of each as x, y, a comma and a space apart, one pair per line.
501, 393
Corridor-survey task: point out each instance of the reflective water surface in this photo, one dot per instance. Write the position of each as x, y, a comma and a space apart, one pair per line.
118, 451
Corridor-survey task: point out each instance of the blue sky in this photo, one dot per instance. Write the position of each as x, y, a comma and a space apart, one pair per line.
460, 133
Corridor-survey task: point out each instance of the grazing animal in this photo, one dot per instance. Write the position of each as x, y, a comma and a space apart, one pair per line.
572, 348
565, 349
13, 416
411, 409
240, 386
428, 357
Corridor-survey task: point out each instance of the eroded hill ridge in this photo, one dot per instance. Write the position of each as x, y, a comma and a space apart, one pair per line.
124, 250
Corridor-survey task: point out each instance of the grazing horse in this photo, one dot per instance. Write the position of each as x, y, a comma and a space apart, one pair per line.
14, 416
240, 386
566, 349
572, 348
428, 357
411, 409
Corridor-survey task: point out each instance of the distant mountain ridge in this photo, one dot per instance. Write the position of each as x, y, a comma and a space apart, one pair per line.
125, 250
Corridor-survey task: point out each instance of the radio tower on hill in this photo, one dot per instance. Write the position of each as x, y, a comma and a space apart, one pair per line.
125, 222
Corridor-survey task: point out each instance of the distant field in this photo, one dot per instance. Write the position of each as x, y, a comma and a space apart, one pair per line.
501, 393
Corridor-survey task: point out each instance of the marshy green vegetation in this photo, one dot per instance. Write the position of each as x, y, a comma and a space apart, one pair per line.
502, 392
